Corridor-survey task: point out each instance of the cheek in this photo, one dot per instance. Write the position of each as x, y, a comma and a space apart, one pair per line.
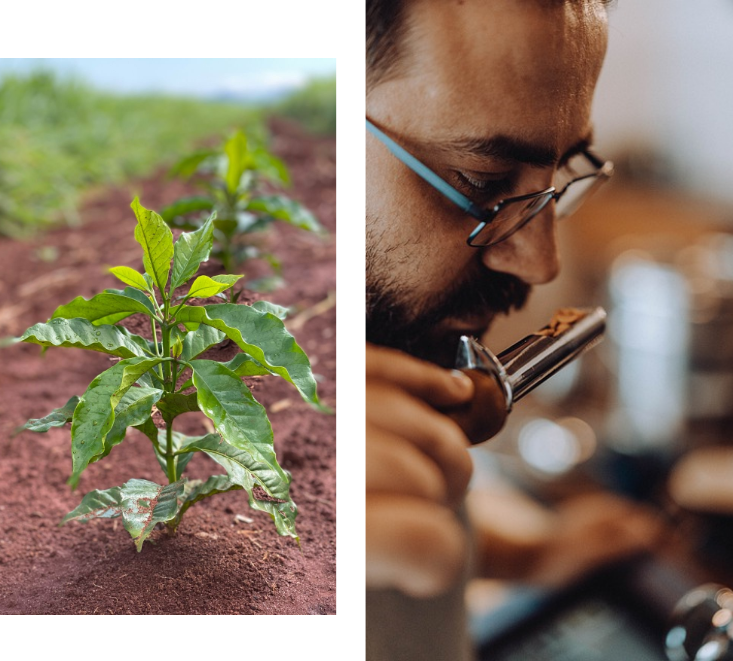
412, 238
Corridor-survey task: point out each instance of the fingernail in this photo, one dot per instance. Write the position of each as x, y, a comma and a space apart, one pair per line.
465, 381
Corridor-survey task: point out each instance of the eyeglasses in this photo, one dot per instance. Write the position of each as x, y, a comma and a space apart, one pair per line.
579, 177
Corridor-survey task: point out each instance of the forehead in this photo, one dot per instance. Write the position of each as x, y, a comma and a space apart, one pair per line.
472, 68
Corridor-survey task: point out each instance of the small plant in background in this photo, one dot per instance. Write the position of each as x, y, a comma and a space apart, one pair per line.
167, 373
233, 178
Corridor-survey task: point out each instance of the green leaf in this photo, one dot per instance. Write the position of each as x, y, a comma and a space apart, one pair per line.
130, 277
244, 365
227, 279
134, 409
264, 337
241, 420
236, 151
278, 310
188, 165
174, 404
139, 296
156, 238
238, 465
270, 166
97, 505
185, 206
141, 503
145, 503
94, 416
190, 250
57, 418
205, 287
195, 490
106, 308
83, 334
150, 430
283, 208
180, 461
198, 341
226, 226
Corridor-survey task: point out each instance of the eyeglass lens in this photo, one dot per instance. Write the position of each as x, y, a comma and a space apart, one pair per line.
508, 219
575, 195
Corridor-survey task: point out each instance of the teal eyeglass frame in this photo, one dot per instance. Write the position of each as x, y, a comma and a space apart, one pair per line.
485, 216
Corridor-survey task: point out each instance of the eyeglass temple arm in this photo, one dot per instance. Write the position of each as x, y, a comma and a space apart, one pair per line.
426, 173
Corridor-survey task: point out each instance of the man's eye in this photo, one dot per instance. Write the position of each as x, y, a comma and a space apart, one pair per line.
484, 187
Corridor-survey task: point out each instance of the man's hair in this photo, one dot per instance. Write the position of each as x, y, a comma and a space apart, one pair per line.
385, 30
385, 33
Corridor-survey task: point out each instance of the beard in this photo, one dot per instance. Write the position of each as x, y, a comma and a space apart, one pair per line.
392, 322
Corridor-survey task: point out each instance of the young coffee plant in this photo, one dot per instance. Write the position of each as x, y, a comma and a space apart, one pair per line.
233, 181
168, 374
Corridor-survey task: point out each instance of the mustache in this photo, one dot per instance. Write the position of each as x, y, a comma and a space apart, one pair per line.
487, 291
391, 324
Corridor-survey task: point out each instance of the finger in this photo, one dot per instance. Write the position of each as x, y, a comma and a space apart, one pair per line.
432, 433
412, 545
396, 466
433, 384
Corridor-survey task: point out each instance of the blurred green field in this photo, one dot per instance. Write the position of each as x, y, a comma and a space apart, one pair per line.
314, 106
59, 137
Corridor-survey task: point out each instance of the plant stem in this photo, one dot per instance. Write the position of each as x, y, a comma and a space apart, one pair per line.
155, 336
174, 376
166, 330
169, 459
157, 348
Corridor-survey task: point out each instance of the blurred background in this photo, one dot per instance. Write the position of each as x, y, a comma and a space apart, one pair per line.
647, 416
70, 125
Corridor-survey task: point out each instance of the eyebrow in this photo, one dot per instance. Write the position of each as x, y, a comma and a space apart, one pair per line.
504, 148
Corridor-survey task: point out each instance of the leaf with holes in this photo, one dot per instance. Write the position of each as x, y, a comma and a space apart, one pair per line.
57, 418
97, 505
144, 504
240, 469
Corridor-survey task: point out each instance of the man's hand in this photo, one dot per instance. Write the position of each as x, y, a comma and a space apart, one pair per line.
417, 471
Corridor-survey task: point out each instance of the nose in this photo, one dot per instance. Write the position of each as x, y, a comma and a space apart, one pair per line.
531, 253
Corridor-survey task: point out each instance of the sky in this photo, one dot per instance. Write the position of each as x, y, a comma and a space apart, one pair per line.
251, 78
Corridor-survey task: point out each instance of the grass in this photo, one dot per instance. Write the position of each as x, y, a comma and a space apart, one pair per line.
60, 137
314, 106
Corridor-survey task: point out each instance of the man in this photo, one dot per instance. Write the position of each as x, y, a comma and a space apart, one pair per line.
469, 102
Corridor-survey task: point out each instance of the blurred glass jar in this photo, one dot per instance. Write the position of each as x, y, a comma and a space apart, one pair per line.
702, 626
708, 269
648, 326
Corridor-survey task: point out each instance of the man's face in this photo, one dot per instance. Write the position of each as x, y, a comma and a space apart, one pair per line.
472, 71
